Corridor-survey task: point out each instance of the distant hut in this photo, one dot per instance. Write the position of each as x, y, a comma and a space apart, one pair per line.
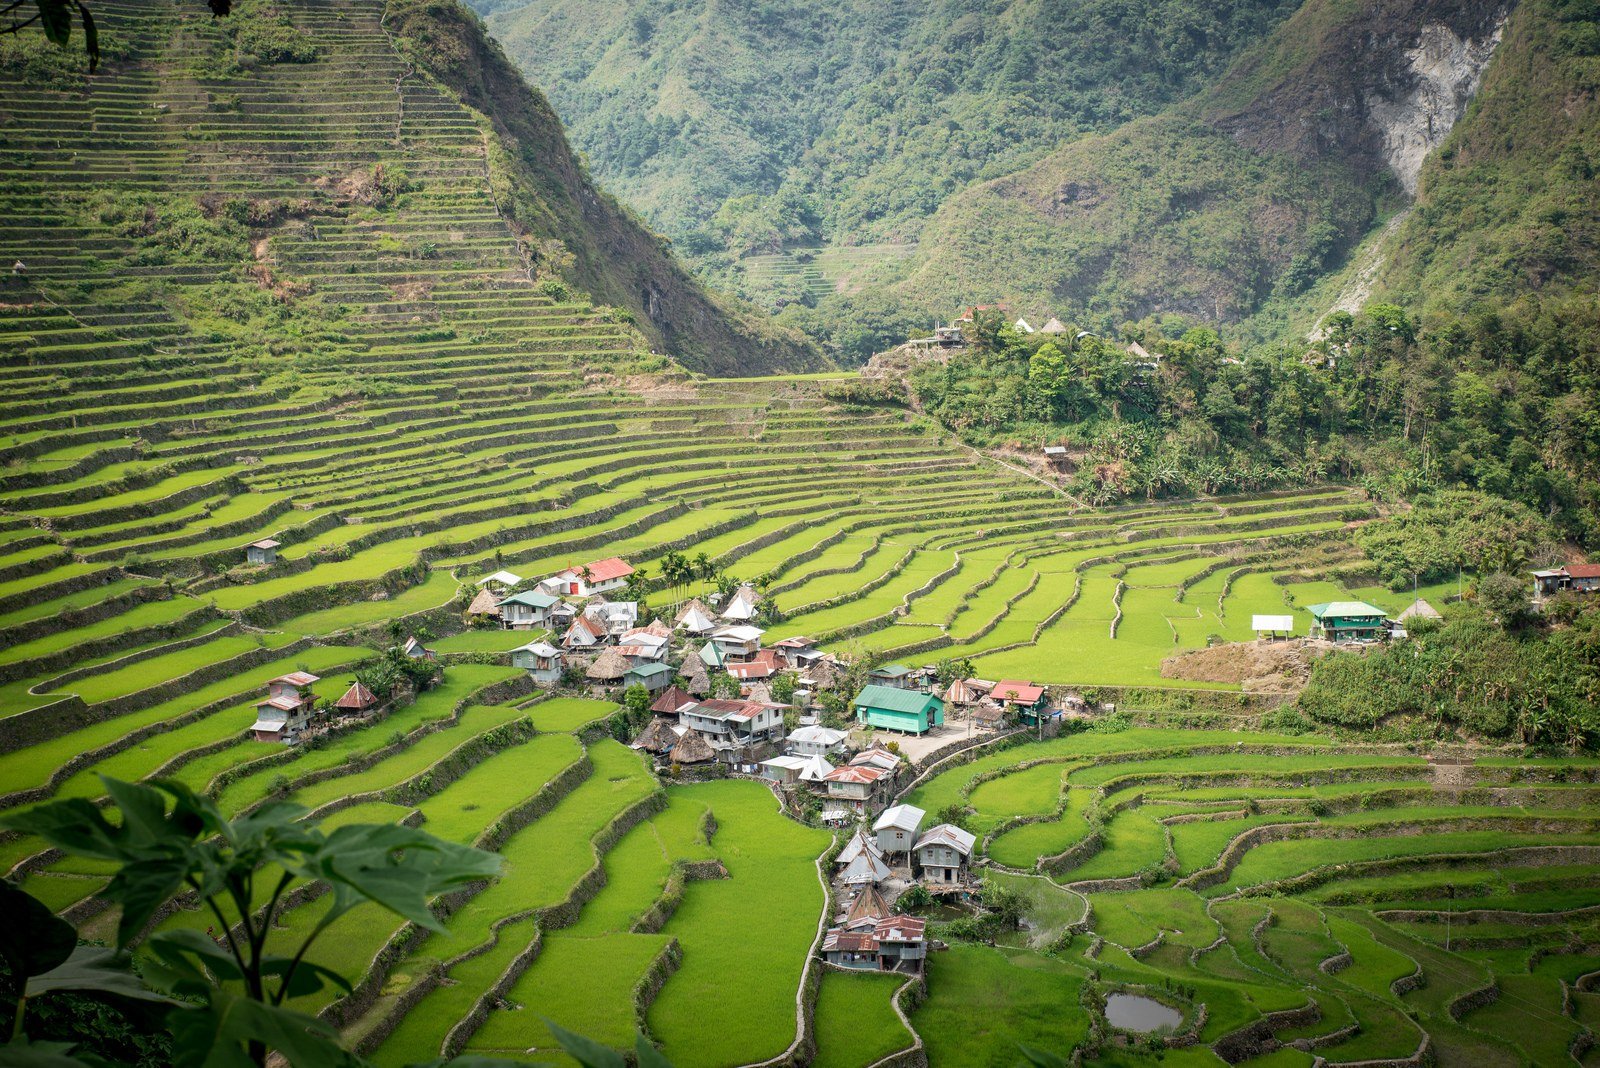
961, 693
692, 749
356, 699
263, 552
869, 907
1418, 609
695, 618
670, 700
696, 678
1054, 326
485, 604
609, 666
657, 737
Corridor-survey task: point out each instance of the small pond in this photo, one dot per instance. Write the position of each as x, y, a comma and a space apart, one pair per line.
1132, 1012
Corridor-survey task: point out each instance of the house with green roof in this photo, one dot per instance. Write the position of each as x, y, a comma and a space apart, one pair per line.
1348, 621
652, 675
894, 709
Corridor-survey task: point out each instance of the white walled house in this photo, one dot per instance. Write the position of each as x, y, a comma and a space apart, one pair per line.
942, 853
897, 828
600, 576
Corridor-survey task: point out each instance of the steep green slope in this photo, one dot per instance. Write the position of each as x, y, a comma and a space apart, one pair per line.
737, 128
568, 224
248, 204
1511, 202
1246, 192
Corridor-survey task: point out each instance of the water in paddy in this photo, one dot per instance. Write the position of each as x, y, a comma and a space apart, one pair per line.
1130, 1012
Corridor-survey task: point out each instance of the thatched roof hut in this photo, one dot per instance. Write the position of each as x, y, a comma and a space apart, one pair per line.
486, 603
692, 748
697, 680
609, 666
1418, 609
657, 737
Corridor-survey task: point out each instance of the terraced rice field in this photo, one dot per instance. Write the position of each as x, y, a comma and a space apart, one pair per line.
1319, 900
223, 334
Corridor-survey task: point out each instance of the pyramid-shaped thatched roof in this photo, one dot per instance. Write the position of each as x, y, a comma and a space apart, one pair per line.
697, 680
692, 748
657, 737
868, 908
485, 604
608, 666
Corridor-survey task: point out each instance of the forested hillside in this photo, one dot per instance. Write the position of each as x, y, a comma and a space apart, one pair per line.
742, 128
1252, 163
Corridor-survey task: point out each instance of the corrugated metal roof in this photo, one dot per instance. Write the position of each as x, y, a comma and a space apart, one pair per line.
894, 699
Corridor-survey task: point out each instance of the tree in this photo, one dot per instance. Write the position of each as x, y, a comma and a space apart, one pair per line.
782, 687
1505, 600
724, 685
637, 701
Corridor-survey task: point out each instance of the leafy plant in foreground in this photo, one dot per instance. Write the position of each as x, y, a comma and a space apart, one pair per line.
234, 980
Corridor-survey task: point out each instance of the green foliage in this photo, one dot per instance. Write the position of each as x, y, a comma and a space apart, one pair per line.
1469, 675
232, 987
1452, 531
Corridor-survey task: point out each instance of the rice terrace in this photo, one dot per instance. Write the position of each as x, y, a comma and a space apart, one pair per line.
364, 467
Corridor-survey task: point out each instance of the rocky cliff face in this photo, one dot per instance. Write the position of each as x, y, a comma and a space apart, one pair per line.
1446, 69
1248, 193
1376, 89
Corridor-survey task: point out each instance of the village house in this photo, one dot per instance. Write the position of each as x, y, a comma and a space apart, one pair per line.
1057, 457
1024, 700
640, 646
1348, 621
876, 756
741, 606
415, 650
817, 741
871, 938
285, 713
797, 653
585, 633
541, 660
526, 610
616, 618
652, 675
262, 552
732, 726
857, 789
942, 853
763, 665
897, 829
988, 716
1575, 578
897, 675
888, 708
783, 769
737, 643
356, 700
601, 576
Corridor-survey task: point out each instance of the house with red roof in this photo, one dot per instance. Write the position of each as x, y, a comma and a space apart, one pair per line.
598, 576
1027, 700
860, 788
1575, 578
286, 712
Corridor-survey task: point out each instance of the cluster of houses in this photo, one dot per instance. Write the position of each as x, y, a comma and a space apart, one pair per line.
289, 711
869, 935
